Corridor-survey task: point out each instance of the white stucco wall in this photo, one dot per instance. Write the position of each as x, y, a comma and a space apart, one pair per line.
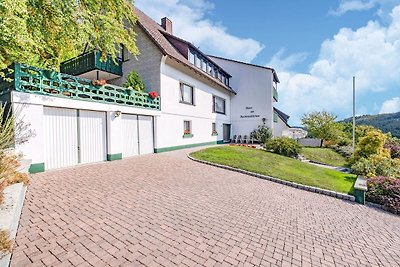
30, 108
254, 99
279, 127
169, 126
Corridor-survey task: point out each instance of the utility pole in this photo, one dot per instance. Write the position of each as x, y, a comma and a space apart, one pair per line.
354, 114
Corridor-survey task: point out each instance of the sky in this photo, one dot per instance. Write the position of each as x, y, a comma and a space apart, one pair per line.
315, 46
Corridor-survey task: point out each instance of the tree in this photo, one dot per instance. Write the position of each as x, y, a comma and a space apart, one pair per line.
372, 144
322, 125
44, 33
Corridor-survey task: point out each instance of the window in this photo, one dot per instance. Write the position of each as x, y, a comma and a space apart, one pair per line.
204, 65
198, 62
191, 57
187, 127
214, 129
186, 94
218, 105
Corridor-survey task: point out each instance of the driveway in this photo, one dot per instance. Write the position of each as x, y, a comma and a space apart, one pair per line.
165, 210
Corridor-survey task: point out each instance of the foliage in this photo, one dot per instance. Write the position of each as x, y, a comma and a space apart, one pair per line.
393, 145
153, 94
8, 172
360, 131
323, 155
262, 134
283, 146
43, 33
322, 125
385, 122
12, 129
384, 191
133, 81
5, 242
377, 165
345, 151
288, 169
371, 144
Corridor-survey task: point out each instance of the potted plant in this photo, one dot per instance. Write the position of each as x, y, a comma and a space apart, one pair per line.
133, 82
153, 94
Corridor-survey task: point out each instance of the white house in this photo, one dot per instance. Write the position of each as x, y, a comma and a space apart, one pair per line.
202, 100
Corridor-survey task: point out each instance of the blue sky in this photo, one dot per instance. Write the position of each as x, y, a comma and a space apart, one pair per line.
315, 46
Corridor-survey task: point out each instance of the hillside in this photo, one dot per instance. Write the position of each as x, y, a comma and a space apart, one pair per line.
385, 122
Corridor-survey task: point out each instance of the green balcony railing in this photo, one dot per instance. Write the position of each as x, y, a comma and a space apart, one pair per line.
275, 93
33, 80
91, 61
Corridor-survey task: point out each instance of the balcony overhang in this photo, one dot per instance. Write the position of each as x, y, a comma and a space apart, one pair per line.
92, 65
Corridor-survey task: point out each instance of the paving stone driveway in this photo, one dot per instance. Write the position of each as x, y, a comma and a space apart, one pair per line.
165, 210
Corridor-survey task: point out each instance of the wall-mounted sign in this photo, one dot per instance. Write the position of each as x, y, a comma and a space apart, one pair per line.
251, 115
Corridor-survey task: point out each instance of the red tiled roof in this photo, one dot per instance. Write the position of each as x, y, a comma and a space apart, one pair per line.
156, 33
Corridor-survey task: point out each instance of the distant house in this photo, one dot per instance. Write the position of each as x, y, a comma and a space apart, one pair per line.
202, 100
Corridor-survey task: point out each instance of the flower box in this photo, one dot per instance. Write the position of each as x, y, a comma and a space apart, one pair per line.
187, 135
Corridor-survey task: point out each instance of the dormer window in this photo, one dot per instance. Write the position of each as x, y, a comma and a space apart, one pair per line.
202, 63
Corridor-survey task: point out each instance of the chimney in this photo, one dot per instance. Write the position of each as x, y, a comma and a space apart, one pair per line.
166, 23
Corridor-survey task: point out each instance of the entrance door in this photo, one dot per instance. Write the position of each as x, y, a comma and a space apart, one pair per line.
130, 135
146, 140
227, 132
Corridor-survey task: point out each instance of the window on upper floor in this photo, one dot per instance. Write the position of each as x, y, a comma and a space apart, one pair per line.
218, 105
191, 57
186, 94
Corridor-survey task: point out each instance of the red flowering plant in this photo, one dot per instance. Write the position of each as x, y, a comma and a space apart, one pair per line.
99, 82
186, 132
153, 94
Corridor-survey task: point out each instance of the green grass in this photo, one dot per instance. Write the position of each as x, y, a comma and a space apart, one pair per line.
324, 155
277, 166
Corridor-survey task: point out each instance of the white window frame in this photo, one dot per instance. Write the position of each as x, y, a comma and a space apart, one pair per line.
215, 102
181, 94
189, 130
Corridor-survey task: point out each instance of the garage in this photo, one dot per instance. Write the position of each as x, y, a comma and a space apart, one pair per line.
137, 135
74, 136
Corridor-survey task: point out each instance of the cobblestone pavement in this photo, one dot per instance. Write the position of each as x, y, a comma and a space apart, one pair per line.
165, 210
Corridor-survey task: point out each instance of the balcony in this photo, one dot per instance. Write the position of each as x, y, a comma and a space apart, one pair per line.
90, 65
33, 80
275, 93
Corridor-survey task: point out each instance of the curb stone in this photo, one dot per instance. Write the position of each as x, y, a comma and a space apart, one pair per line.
10, 213
276, 180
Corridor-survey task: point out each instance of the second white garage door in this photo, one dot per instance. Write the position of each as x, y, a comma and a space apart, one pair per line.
74, 136
137, 135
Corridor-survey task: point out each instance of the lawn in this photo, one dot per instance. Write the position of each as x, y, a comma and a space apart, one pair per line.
277, 166
324, 155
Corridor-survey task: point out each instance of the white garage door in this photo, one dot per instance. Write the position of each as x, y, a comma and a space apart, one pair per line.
146, 140
73, 137
61, 139
130, 135
92, 136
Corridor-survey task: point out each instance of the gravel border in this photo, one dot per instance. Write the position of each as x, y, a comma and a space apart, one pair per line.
279, 181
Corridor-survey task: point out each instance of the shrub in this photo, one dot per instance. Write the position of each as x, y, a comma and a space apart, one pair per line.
8, 172
5, 242
283, 146
262, 134
377, 166
393, 145
371, 144
134, 81
384, 191
345, 151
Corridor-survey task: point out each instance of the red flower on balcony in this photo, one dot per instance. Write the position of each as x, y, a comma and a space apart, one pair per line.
153, 94
99, 82
186, 132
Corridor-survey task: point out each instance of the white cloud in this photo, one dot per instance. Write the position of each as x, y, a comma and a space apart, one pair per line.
282, 63
370, 53
189, 23
391, 106
384, 6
